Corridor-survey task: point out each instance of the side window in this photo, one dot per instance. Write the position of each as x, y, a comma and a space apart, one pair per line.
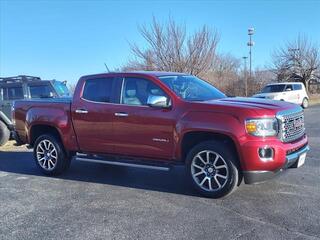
14, 93
41, 91
297, 87
136, 91
288, 87
98, 90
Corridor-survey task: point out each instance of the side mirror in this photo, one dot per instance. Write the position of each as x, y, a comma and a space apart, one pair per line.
158, 102
288, 89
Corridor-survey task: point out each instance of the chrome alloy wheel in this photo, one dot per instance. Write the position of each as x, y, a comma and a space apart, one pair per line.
209, 170
47, 155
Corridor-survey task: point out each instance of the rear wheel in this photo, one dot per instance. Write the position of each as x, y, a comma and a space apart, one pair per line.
50, 156
4, 134
212, 169
305, 103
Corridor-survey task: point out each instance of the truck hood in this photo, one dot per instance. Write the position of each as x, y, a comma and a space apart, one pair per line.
249, 106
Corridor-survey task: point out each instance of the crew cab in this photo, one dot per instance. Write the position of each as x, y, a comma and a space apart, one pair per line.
157, 120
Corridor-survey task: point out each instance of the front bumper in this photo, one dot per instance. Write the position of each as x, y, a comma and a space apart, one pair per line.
251, 177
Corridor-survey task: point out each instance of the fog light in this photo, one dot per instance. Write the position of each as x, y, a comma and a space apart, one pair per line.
265, 153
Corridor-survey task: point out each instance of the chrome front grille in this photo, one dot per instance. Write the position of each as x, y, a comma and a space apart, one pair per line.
291, 124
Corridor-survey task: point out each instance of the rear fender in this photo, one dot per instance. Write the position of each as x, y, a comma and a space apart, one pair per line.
58, 118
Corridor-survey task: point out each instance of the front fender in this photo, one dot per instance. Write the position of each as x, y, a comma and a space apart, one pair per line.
213, 122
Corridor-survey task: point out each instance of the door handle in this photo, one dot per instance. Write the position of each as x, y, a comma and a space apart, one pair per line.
81, 111
121, 114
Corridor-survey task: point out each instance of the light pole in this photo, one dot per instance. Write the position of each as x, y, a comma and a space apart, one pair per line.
250, 44
245, 74
294, 57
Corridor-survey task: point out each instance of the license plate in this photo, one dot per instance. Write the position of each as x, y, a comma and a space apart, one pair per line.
302, 159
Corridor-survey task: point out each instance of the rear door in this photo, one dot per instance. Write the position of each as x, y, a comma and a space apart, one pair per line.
93, 113
10, 92
298, 93
289, 93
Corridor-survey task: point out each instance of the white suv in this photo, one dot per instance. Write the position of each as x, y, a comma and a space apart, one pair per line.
294, 92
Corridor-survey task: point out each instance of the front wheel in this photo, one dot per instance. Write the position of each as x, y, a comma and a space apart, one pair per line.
50, 156
305, 103
212, 169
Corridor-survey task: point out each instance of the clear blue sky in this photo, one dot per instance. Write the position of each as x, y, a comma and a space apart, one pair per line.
67, 39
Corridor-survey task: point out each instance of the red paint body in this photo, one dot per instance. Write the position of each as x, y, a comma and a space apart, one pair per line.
101, 132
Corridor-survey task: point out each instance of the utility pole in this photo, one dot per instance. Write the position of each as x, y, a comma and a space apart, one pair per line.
250, 44
245, 74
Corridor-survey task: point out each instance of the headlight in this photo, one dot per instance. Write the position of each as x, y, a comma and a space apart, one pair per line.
262, 127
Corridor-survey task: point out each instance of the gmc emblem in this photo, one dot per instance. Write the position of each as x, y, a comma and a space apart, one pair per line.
298, 123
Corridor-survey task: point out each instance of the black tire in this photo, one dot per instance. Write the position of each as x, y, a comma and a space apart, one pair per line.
305, 103
229, 169
59, 158
4, 133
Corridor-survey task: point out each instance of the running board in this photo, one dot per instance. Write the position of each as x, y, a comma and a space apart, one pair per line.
121, 163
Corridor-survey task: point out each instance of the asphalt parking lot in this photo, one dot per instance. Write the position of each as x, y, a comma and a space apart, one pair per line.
94, 201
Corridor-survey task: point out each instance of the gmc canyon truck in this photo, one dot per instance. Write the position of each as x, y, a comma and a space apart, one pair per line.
156, 120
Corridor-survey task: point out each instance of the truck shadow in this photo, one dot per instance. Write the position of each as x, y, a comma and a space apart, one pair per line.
173, 181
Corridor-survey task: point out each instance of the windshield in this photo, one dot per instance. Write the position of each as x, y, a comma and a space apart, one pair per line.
191, 88
61, 89
273, 88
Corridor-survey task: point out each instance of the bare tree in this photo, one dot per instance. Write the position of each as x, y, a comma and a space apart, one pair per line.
224, 74
297, 61
170, 48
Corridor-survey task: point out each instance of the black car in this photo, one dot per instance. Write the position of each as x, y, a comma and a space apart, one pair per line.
24, 87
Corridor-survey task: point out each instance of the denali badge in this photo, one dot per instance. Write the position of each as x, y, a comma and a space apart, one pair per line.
160, 140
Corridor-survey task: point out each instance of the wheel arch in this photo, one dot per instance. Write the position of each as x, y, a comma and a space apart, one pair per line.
192, 138
41, 129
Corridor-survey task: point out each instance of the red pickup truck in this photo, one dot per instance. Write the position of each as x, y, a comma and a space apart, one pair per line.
159, 119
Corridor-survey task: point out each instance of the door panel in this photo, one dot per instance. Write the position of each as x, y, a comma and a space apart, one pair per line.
93, 115
140, 130
144, 132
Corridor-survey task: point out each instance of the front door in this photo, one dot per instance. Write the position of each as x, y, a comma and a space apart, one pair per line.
92, 115
140, 130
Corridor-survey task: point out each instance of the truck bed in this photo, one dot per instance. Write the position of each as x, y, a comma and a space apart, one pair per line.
55, 112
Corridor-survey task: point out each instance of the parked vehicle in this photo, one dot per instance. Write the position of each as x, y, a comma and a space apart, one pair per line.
156, 120
294, 92
24, 87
